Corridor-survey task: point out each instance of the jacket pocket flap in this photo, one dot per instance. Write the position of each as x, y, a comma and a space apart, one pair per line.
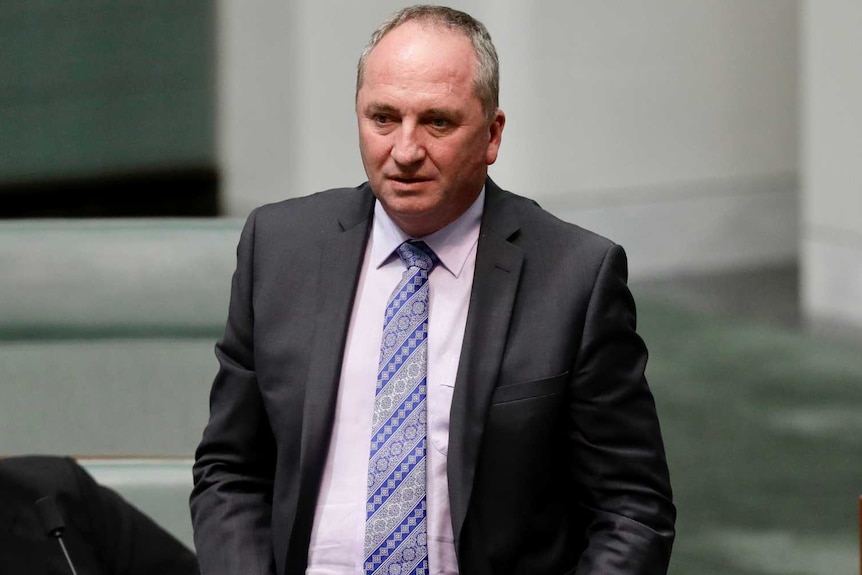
530, 389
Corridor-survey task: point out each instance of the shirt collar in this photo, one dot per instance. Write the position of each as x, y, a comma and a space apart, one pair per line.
452, 244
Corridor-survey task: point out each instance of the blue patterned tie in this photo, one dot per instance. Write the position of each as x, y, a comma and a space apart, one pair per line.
395, 526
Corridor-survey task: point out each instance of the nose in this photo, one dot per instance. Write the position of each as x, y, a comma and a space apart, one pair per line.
407, 149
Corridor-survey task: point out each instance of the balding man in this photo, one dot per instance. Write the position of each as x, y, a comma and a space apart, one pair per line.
428, 374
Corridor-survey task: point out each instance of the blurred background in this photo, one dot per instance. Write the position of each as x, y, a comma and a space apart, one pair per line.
718, 141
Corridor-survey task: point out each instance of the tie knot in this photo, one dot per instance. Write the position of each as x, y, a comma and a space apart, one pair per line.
417, 254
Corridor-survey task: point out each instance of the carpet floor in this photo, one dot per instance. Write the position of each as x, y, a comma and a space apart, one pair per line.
763, 430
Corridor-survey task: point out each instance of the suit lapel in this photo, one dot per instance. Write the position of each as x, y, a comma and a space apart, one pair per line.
495, 284
340, 264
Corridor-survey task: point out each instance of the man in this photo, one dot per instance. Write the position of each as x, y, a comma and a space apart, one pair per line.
497, 422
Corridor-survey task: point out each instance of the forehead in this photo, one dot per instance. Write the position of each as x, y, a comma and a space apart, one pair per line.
420, 52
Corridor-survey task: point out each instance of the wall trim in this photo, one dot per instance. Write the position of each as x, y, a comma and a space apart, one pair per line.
832, 278
702, 226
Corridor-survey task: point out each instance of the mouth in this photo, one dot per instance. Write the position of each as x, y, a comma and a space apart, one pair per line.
408, 180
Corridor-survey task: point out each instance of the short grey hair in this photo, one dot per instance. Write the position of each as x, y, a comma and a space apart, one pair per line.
487, 81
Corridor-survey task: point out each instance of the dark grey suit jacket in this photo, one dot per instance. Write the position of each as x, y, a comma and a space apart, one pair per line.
556, 463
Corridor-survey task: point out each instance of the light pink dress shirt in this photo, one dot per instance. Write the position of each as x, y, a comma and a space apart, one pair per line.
338, 535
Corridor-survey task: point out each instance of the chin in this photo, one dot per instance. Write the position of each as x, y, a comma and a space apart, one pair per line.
414, 210
409, 207
411, 189
408, 198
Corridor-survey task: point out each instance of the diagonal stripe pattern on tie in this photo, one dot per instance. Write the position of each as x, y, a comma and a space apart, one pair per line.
395, 527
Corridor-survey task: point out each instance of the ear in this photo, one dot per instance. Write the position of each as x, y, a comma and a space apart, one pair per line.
495, 131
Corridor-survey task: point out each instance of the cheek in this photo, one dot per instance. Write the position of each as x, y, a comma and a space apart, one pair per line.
450, 157
467, 157
373, 150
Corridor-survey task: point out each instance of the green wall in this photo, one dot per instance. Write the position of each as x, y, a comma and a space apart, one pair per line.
95, 87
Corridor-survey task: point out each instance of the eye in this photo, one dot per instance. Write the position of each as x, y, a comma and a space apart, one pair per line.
381, 119
440, 123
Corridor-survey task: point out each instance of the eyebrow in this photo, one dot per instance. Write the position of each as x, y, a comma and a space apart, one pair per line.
380, 109
441, 112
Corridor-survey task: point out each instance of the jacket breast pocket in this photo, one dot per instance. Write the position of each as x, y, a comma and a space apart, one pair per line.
530, 389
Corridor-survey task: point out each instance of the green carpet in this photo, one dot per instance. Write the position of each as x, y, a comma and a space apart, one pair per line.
763, 429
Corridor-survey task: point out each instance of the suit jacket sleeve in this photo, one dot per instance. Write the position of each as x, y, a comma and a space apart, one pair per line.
231, 501
619, 455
